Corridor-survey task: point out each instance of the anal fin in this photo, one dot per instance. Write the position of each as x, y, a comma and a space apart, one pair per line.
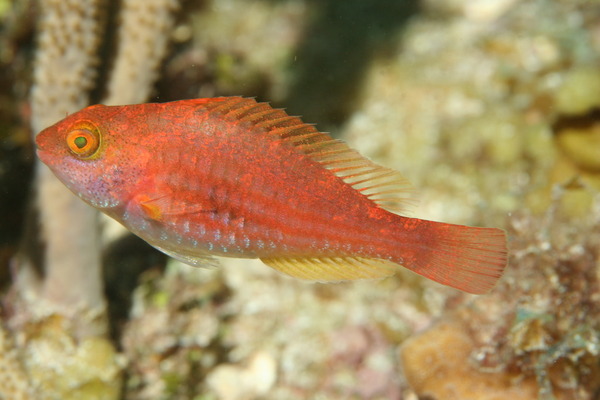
330, 269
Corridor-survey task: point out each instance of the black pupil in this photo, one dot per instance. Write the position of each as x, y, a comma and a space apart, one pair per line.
80, 142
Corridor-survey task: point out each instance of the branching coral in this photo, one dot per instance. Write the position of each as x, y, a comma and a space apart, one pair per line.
143, 37
64, 72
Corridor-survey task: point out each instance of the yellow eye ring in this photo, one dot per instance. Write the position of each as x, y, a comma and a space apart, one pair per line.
84, 142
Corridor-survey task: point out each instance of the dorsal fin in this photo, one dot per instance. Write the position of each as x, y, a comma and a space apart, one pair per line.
384, 186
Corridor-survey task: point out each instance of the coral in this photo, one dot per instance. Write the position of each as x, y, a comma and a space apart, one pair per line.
467, 109
580, 91
577, 130
171, 337
144, 33
60, 367
192, 333
14, 383
46, 362
582, 146
69, 35
63, 73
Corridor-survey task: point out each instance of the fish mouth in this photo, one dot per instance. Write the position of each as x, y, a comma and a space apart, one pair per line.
41, 153
44, 156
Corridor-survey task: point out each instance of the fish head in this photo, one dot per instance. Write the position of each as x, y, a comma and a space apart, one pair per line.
89, 153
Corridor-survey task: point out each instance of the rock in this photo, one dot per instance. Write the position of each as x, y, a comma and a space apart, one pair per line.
437, 366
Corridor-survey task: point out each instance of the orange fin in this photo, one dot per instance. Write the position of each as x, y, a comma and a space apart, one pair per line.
384, 186
328, 269
466, 258
158, 207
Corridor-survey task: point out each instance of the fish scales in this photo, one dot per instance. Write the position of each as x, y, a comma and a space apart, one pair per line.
241, 196
301, 215
230, 176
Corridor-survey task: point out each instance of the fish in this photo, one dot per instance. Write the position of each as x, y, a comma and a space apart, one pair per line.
233, 177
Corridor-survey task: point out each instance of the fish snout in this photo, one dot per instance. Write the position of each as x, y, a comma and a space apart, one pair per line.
41, 143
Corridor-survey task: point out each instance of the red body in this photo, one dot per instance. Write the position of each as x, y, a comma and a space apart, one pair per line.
233, 177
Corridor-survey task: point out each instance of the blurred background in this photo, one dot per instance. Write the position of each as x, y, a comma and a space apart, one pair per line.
490, 108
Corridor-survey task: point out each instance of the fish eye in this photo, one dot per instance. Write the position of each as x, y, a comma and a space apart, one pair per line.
84, 141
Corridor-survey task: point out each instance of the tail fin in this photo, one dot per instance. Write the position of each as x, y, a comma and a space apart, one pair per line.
466, 258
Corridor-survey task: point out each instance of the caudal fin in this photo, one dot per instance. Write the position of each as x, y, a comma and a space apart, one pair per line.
466, 258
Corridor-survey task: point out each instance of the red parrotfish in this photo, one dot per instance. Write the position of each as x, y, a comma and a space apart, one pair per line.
231, 177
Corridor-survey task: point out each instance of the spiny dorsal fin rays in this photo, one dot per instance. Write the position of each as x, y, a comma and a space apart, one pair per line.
278, 122
384, 186
328, 269
226, 104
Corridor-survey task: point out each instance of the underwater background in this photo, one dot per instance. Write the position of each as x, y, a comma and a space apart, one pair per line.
490, 108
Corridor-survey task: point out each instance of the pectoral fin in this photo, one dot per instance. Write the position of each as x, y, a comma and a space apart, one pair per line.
157, 207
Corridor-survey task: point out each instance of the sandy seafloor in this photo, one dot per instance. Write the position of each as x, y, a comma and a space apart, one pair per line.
490, 108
